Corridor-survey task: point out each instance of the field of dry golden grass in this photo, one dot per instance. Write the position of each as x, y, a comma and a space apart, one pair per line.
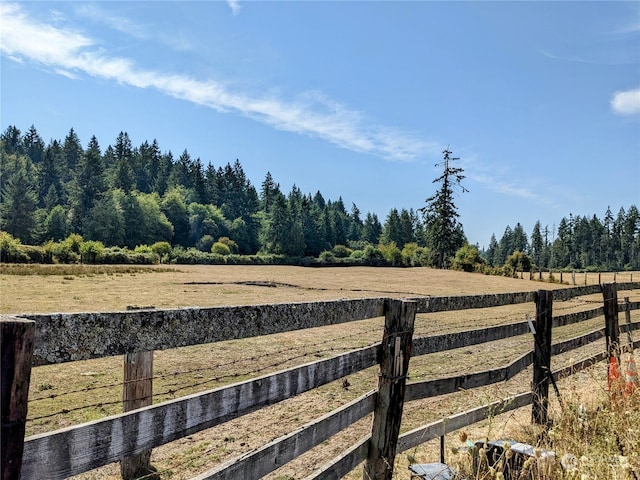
96, 384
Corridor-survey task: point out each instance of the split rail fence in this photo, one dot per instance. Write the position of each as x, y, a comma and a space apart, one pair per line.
130, 436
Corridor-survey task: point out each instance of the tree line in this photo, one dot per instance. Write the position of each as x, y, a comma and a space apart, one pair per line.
126, 196
578, 242
130, 196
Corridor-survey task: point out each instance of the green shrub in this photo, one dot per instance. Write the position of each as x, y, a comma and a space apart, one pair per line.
233, 246
327, 256
74, 241
161, 249
518, 262
91, 251
340, 251
220, 248
205, 244
10, 249
391, 253
63, 253
467, 259
373, 256
357, 255
36, 254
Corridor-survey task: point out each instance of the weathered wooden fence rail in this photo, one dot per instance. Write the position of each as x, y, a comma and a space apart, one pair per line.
67, 337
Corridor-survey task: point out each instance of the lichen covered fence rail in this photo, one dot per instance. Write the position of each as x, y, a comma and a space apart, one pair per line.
73, 450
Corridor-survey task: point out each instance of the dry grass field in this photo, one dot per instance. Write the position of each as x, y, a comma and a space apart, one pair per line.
93, 389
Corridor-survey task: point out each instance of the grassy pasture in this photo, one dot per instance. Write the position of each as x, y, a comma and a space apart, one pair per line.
97, 383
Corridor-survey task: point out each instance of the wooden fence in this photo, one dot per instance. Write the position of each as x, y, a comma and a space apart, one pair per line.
59, 338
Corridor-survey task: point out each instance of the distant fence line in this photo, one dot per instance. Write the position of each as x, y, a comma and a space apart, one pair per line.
68, 337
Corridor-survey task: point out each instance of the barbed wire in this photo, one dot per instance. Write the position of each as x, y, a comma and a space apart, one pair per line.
170, 392
220, 365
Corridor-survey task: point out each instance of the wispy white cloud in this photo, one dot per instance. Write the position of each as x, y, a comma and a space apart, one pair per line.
235, 6
618, 60
626, 102
128, 27
492, 176
500, 186
71, 53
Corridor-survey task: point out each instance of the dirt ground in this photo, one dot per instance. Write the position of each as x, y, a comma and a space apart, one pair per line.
93, 389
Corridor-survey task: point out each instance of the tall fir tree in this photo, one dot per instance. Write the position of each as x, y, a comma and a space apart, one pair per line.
445, 234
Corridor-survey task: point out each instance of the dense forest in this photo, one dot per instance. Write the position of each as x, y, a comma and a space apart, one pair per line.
124, 197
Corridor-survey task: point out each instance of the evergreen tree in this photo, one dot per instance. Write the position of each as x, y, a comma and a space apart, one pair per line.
444, 232
519, 241
277, 227
88, 184
407, 233
146, 164
371, 229
561, 246
124, 177
72, 151
318, 199
162, 181
153, 166
355, 224
198, 182
607, 241
391, 231
338, 220
105, 222
19, 201
630, 229
211, 184
33, 145
313, 228
492, 251
11, 140
49, 183
506, 246
268, 192
617, 239
537, 244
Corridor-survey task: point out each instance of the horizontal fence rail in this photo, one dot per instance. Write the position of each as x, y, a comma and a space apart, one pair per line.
103, 441
66, 337
74, 450
275, 454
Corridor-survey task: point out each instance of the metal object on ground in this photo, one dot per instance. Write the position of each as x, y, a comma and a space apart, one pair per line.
431, 471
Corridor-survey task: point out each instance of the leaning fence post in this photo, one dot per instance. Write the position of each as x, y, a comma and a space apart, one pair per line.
394, 363
16, 347
542, 357
611, 326
137, 393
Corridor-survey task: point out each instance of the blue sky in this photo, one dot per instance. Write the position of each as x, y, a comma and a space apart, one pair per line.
540, 100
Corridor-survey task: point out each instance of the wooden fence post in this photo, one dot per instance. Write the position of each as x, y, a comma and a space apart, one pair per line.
16, 347
611, 326
627, 320
394, 355
542, 357
137, 393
